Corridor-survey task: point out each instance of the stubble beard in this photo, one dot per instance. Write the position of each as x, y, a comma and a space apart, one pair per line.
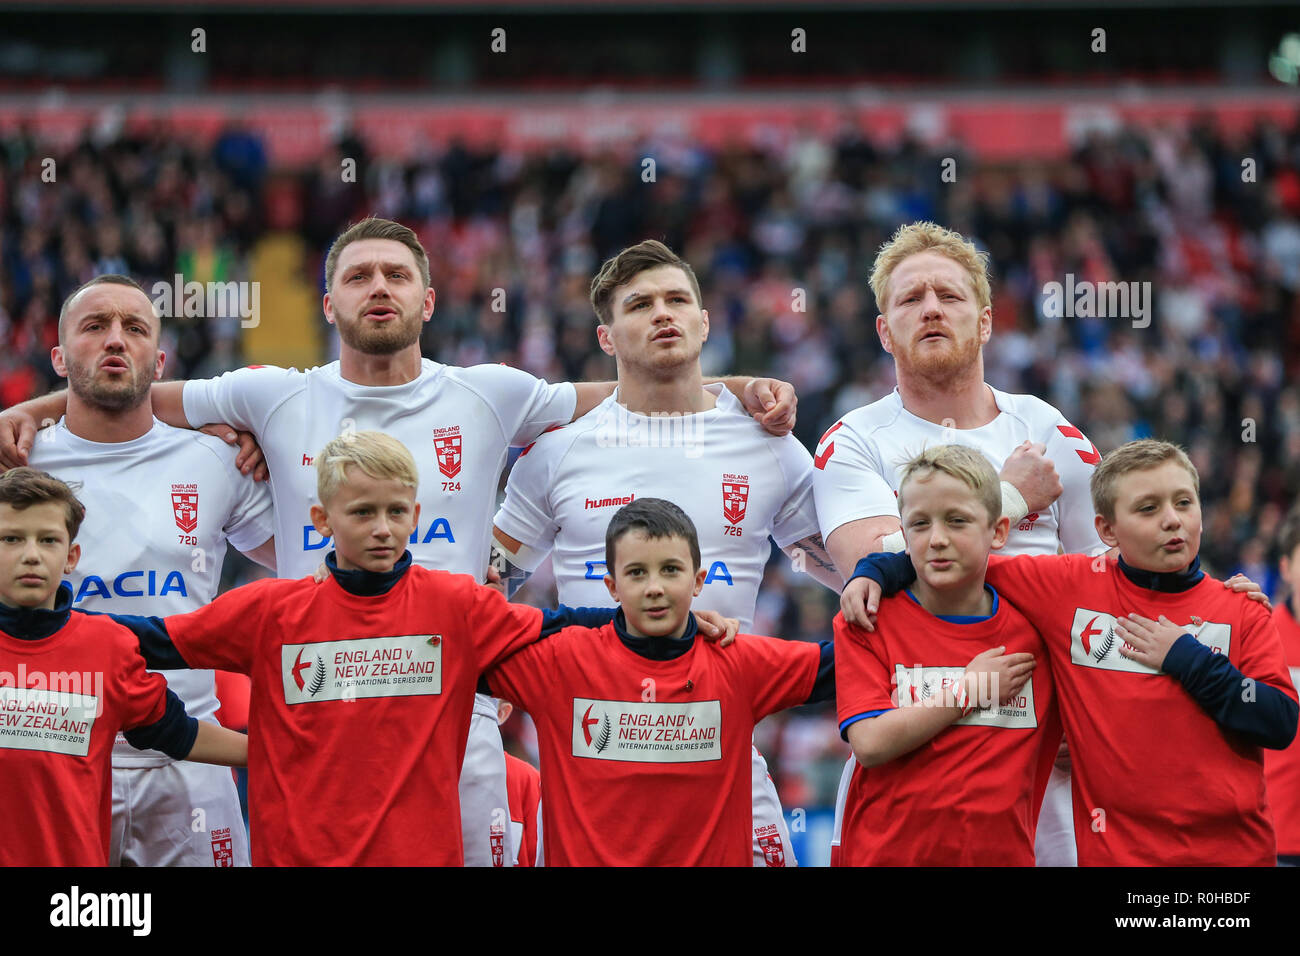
388, 339
660, 366
939, 366
108, 395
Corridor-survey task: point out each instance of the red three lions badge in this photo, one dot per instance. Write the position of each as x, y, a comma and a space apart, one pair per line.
446, 445
769, 839
185, 507
735, 497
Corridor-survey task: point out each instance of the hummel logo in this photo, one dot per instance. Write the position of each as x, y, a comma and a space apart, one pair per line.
607, 502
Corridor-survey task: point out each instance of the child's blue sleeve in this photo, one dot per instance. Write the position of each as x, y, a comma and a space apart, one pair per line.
1259, 712
562, 617
173, 733
824, 685
160, 654
892, 571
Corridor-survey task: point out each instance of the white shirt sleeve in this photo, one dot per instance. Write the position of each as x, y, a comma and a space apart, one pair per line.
797, 517
244, 398
1075, 458
252, 519
527, 514
525, 405
847, 481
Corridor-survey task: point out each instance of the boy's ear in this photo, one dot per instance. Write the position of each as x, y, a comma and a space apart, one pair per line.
613, 588
700, 577
74, 555
1106, 531
1001, 530
320, 520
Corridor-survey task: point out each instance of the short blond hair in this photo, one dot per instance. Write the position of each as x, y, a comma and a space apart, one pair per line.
1134, 456
377, 454
967, 465
929, 237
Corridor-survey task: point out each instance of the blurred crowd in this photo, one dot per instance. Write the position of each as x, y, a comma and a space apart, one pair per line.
782, 234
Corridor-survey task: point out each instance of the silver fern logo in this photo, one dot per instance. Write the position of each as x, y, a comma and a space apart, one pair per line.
318, 677
603, 735
1105, 645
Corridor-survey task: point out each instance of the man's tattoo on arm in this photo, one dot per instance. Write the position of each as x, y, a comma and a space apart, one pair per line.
815, 548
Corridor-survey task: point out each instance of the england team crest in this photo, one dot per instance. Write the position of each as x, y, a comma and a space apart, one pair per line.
769, 841
735, 497
185, 507
446, 445
498, 836
223, 849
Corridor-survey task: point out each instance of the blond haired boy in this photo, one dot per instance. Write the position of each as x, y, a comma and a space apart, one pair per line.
1170, 685
953, 725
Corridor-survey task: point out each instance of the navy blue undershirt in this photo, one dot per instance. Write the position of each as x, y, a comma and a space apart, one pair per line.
671, 648
964, 618
368, 583
35, 623
1166, 582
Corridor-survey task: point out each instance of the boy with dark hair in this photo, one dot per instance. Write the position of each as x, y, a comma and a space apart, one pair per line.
1282, 767
952, 760
69, 681
1166, 722
638, 715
